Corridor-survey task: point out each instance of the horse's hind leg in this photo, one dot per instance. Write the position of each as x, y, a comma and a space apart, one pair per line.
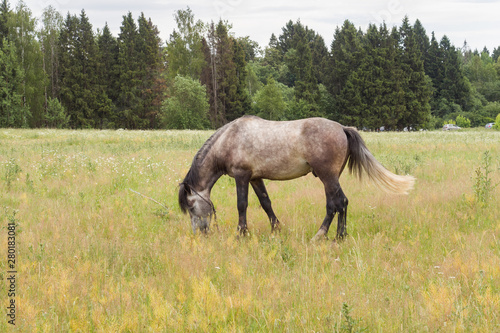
336, 202
342, 203
261, 192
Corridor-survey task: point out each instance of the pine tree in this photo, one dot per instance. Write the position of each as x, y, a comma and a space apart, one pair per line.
454, 88
4, 18
295, 44
240, 104
434, 67
151, 71
347, 53
496, 54
13, 111
300, 64
397, 78
224, 75
421, 38
286, 40
86, 59
108, 73
68, 67
272, 57
81, 94
378, 81
227, 80
129, 103
417, 91
56, 116
98, 108
320, 55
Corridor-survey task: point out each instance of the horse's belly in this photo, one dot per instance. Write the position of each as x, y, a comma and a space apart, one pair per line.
282, 171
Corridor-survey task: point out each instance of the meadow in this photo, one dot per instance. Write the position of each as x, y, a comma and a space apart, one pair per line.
93, 256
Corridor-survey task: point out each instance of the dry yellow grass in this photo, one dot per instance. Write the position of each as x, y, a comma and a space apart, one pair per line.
94, 256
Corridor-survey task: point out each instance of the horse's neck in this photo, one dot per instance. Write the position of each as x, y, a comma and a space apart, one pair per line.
209, 174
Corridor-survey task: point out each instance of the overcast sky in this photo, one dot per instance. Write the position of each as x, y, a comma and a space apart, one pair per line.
478, 22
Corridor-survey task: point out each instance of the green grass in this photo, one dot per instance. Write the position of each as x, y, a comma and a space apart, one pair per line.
94, 256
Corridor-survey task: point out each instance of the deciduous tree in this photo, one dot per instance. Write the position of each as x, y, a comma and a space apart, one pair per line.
187, 107
52, 22
269, 102
184, 48
22, 31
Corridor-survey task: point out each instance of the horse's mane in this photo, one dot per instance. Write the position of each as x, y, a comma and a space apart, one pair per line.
193, 176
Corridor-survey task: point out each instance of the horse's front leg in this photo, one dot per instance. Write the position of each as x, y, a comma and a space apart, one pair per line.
242, 198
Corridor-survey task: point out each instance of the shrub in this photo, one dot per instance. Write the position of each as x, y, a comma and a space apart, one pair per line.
497, 123
491, 109
187, 108
349, 324
56, 116
483, 185
463, 121
12, 170
269, 102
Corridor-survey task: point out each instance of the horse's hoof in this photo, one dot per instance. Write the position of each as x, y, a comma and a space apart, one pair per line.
242, 233
320, 235
340, 238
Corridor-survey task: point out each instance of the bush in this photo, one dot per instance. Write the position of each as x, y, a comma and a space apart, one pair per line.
187, 108
463, 121
56, 116
483, 185
491, 109
497, 123
269, 102
433, 123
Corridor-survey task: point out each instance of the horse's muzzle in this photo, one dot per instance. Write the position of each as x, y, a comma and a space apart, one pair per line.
202, 223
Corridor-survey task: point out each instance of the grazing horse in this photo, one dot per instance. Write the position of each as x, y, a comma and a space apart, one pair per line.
251, 149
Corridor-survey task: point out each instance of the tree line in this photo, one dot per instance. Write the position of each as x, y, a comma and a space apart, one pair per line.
62, 73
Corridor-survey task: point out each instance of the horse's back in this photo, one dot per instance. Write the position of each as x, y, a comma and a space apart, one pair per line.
280, 149
309, 128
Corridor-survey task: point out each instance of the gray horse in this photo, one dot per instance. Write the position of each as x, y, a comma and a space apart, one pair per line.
251, 149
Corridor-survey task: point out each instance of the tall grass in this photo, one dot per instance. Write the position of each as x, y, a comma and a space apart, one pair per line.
94, 256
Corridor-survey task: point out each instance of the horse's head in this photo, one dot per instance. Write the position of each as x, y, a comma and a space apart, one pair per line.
198, 205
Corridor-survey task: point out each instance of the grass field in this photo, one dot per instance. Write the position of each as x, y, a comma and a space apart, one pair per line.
93, 256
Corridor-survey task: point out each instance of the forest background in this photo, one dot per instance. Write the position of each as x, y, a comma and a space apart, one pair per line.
60, 72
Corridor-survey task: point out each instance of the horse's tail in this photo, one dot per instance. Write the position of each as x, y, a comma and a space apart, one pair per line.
361, 159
